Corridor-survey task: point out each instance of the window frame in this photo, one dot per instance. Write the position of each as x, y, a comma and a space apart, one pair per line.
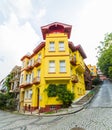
63, 66
51, 46
61, 46
52, 68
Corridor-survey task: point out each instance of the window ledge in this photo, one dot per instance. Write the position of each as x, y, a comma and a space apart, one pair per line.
51, 72
52, 51
63, 72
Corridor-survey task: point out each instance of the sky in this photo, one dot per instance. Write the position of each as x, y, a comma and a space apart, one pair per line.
21, 21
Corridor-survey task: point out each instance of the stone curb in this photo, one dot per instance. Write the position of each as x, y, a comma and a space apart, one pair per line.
62, 114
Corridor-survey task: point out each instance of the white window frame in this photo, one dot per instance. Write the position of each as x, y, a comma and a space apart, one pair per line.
62, 66
61, 46
38, 73
51, 46
23, 64
21, 79
28, 94
52, 66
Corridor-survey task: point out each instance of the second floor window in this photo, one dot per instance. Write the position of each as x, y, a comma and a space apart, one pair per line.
62, 66
51, 46
21, 79
51, 66
23, 64
38, 73
39, 56
61, 46
29, 78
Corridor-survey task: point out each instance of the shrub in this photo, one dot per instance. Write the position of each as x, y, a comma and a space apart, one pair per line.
63, 95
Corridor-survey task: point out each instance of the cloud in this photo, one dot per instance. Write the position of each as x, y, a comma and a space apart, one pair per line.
1, 59
23, 9
15, 41
41, 13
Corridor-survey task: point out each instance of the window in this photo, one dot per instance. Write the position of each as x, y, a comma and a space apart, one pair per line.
51, 66
28, 94
38, 74
62, 66
51, 46
28, 78
30, 63
23, 64
61, 46
39, 56
32, 76
21, 79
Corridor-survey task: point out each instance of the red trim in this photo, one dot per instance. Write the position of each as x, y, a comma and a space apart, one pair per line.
39, 47
47, 108
25, 56
79, 48
55, 36
36, 50
25, 85
71, 46
56, 27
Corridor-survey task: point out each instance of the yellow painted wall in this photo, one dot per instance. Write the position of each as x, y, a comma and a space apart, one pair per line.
93, 70
78, 69
57, 77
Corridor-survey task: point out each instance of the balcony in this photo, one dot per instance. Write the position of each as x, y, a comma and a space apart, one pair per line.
74, 78
29, 67
37, 62
15, 90
36, 80
73, 60
25, 84
80, 68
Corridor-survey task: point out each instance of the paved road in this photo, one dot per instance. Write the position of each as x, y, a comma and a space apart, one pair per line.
98, 116
104, 97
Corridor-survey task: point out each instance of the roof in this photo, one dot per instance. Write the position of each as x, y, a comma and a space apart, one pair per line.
56, 27
39, 47
36, 50
79, 48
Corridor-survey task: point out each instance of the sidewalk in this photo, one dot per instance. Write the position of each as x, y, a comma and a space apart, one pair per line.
76, 106
59, 112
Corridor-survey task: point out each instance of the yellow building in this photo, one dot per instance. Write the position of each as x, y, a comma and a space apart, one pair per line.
54, 61
93, 70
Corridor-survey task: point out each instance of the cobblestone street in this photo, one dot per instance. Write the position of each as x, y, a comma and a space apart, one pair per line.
97, 116
89, 119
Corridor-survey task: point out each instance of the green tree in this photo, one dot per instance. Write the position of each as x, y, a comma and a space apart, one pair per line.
96, 81
64, 95
7, 84
7, 101
3, 101
105, 55
51, 90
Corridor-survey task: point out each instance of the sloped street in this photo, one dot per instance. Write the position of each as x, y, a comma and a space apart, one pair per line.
97, 116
